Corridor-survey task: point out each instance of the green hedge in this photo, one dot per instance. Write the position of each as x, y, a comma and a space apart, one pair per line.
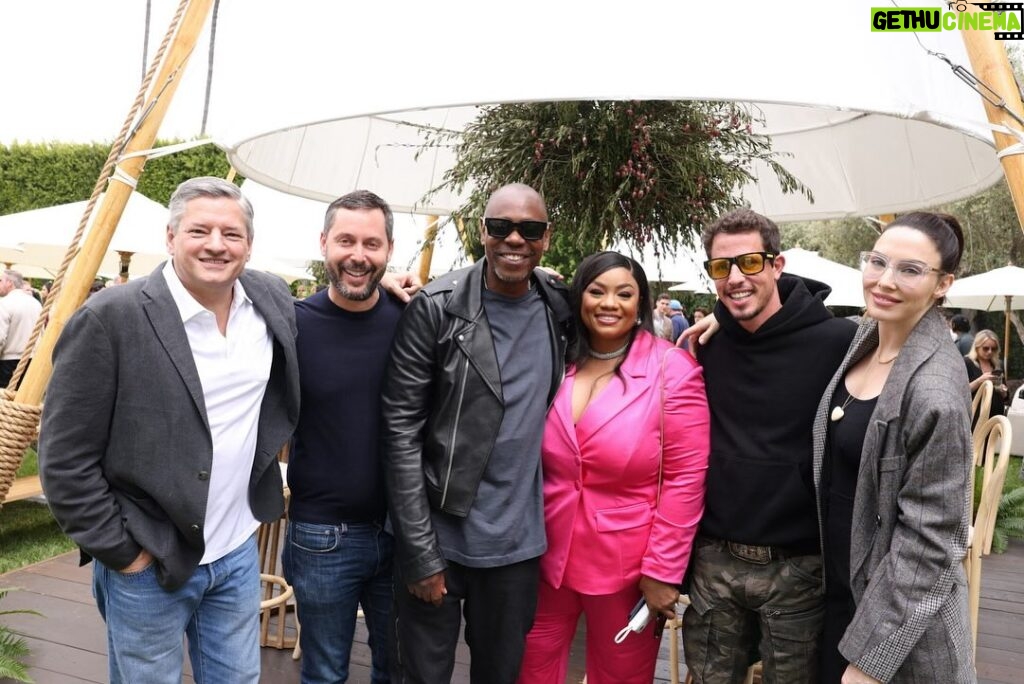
33, 176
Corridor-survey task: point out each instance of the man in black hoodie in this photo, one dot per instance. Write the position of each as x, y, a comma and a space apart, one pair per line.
756, 571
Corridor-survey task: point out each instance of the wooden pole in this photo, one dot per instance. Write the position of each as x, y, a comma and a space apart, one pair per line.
427, 255
96, 243
1006, 338
991, 66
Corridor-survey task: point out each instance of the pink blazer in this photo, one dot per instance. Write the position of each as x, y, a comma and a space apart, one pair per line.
601, 475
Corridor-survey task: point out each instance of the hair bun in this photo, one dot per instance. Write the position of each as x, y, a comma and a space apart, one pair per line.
958, 231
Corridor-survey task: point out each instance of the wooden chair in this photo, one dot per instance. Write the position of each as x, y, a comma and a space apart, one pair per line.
992, 453
981, 406
278, 597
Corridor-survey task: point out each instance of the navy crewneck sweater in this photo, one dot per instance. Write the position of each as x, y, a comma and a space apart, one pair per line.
334, 468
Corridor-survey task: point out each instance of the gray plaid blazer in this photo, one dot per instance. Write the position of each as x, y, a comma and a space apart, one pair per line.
911, 512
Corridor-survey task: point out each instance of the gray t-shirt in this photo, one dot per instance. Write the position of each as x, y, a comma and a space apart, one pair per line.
505, 524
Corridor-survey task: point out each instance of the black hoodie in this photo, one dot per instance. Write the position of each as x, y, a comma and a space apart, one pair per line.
763, 389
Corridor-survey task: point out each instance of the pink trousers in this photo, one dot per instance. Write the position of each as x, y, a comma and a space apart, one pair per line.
546, 660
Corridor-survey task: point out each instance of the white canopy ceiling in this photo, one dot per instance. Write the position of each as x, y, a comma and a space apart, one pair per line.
875, 124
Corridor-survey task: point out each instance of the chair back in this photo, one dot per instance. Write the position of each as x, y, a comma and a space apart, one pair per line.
981, 406
995, 462
992, 451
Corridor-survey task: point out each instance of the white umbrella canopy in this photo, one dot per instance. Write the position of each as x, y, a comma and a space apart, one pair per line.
988, 291
846, 282
874, 124
39, 238
1001, 289
681, 266
889, 130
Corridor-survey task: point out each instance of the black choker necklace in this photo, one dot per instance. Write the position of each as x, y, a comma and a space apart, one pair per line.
604, 356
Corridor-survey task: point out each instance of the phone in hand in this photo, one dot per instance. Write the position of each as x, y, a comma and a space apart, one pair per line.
998, 372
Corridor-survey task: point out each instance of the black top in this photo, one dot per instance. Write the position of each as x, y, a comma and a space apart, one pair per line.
839, 482
334, 470
838, 486
763, 390
998, 407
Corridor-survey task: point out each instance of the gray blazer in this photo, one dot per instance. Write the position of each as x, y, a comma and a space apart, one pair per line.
911, 512
125, 449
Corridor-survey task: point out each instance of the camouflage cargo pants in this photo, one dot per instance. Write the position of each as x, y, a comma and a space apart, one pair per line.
743, 610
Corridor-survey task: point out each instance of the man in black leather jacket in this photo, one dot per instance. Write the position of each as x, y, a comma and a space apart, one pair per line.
477, 359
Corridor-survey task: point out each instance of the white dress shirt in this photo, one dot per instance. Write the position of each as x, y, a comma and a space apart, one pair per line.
234, 369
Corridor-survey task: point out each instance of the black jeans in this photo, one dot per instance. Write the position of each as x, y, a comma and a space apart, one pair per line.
499, 606
7, 368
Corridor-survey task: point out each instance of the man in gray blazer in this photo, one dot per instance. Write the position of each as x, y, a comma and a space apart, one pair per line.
169, 400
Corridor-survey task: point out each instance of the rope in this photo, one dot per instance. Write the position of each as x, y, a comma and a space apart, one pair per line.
13, 438
19, 423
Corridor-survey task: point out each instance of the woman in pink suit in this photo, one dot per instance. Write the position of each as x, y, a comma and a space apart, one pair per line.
612, 536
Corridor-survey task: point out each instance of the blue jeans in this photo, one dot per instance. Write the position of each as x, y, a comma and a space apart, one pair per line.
334, 569
218, 608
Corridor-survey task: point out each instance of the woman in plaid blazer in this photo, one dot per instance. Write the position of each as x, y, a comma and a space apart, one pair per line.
892, 453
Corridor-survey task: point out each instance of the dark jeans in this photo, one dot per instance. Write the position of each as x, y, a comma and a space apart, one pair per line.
7, 368
499, 605
335, 569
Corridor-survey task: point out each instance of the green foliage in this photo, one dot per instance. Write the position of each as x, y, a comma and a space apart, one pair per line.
164, 174
13, 648
642, 172
37, 176
840, 240
1009, 519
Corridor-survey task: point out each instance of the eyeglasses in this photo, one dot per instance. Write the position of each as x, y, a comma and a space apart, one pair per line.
501, 228
906, 273
988, 348
750, 263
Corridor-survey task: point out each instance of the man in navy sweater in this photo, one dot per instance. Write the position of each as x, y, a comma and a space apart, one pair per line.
337, 554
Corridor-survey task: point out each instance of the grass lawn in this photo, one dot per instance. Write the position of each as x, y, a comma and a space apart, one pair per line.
28, 533
1013, 479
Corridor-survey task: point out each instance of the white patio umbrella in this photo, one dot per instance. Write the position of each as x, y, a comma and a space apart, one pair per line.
1000, 289
679, 266
846, 282
891, 130
40, 237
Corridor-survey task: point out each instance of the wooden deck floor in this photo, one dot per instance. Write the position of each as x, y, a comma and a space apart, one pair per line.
69, 643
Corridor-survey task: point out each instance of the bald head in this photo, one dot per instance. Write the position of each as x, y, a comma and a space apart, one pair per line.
518, 194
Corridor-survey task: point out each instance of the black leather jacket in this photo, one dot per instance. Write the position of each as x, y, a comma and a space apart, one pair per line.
442, 406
